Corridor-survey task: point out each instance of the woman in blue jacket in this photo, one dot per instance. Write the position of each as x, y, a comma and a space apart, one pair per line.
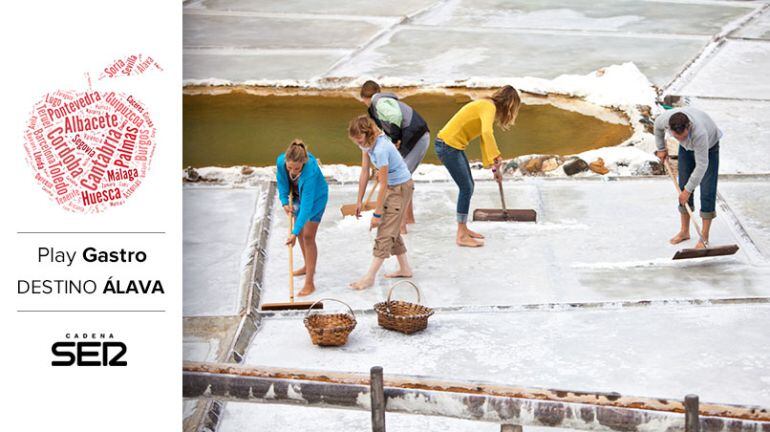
298, 173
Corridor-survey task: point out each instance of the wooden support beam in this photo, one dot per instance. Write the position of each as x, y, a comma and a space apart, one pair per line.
603, 399
377, 392
691, 420
471, 401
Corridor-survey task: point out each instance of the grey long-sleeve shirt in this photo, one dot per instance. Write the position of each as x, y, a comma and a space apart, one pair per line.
704, 134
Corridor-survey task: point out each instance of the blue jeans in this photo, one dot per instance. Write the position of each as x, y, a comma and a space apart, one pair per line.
457, 164
708, 185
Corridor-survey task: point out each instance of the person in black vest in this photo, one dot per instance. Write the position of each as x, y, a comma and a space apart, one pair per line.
403, 125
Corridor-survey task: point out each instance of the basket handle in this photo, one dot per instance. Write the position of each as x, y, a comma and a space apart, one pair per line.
390, 292
331, 299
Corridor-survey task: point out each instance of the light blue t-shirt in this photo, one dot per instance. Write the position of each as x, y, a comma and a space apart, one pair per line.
383, 152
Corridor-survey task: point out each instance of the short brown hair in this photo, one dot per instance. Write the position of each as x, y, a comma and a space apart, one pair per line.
297, 151
507, 103
369, 89
678, 122
363, 125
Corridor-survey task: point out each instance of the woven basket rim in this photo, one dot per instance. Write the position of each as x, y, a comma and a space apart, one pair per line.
381, 308
348, 327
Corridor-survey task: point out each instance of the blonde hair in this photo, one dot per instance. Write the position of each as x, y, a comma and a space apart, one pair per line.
363, 125
507, 104
297, 151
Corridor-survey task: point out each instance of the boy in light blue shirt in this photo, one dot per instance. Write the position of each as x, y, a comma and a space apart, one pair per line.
378, 150
385, 153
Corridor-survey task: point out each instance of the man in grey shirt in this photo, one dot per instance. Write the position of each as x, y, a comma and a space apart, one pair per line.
698, 159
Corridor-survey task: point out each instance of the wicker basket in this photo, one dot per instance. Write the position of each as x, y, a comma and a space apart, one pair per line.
403, 316
330, 329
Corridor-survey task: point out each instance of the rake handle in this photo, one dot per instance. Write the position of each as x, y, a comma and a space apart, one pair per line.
371, 192
686, 205
291, 251
502, 197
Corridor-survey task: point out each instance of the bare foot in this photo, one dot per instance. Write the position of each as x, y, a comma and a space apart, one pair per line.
474, 234
700, 245
363, 283
299, 271
467, 241
409, 220
400, 273
308, 289
680, 237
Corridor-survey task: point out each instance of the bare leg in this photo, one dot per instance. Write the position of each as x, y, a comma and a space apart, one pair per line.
368, 279
311, 257
301, 240
684, 230
705, 234
408, 217
410, 213
404, 270
464, 237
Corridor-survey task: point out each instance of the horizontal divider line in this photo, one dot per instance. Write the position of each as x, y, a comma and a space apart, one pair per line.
90, 232
91, 310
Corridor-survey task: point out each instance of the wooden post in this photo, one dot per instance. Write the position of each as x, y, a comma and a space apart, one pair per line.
377, 391
691, 419
511, 428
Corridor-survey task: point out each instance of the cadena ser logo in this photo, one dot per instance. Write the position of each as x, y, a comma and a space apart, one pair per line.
89, 349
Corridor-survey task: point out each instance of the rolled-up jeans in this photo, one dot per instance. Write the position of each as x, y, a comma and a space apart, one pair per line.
708, 184
457, 164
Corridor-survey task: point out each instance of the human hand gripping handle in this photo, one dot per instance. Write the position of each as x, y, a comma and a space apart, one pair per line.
684, 194
289, 210
359, 205
379, 208
497, 170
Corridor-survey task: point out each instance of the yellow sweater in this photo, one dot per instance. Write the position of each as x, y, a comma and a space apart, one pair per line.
474, 119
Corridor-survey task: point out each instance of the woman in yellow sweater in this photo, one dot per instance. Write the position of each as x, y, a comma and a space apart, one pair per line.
473, 120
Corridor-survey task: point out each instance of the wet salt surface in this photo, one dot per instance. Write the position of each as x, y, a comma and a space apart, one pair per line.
200, 350
441, 54
342, 7
758, 28
745, 146
594, 241
662, 351
733, 72
216, 228
441, 42
203, 65
239, 417
750, 200
609, 16
572, 254
227, 31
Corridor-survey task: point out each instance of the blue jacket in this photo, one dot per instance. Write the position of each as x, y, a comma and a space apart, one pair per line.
313, 190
